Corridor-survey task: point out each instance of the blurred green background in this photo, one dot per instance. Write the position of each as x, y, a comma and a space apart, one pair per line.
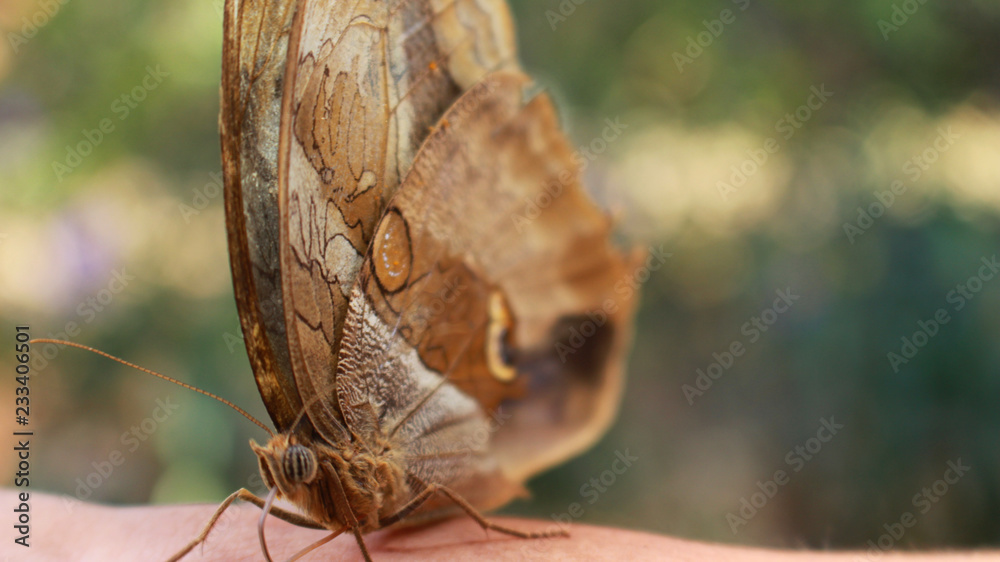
912, 97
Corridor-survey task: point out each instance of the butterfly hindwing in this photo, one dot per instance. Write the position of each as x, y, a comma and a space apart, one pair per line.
458, 301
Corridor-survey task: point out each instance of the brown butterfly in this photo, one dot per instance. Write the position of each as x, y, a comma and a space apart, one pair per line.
393, 294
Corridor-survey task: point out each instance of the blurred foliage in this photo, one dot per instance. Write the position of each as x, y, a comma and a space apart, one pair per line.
689, 124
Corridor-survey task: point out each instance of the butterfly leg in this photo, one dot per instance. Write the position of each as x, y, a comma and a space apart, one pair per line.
246, 495
431, 489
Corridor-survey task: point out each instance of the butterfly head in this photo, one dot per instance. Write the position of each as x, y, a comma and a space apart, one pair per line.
349, 488
286, 463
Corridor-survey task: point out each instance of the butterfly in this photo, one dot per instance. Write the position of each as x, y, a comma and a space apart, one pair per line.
422, 344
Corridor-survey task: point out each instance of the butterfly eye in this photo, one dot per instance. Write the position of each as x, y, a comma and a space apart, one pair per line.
499, 351
299, 464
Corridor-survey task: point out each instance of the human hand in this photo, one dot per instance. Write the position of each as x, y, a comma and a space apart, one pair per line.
81, 531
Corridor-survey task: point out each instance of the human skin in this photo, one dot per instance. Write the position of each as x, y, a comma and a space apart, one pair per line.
62, 530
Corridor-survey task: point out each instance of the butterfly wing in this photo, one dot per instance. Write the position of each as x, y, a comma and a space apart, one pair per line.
366, 80
254, 56
324, 104
462, 300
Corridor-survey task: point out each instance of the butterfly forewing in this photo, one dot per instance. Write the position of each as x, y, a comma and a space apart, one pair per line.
255, 51
365, 82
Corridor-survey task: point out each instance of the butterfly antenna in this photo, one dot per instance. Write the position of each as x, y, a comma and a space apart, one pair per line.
155, 374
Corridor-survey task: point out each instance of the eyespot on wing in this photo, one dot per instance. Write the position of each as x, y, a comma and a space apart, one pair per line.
392, 253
